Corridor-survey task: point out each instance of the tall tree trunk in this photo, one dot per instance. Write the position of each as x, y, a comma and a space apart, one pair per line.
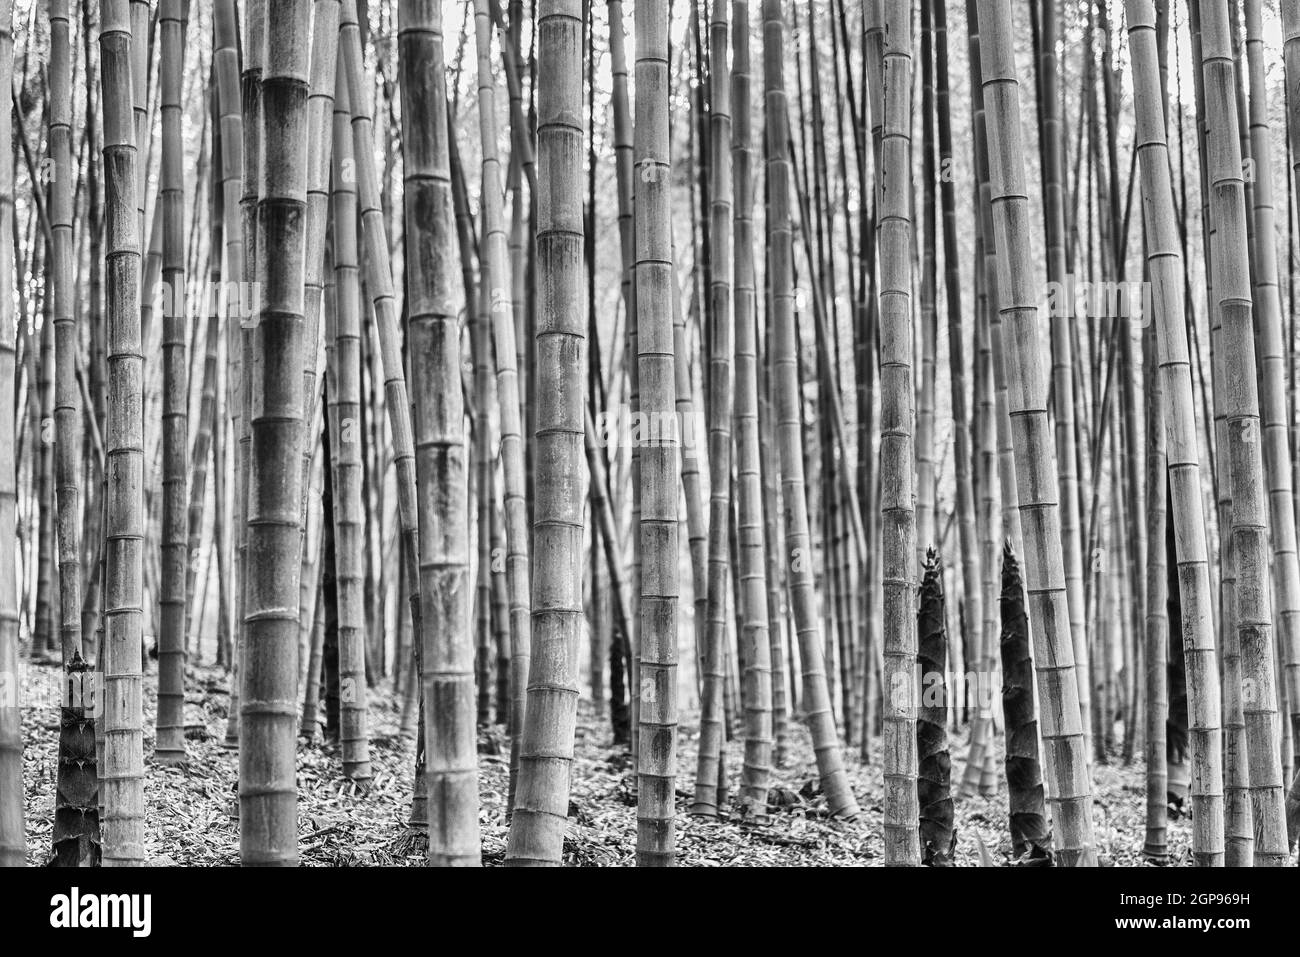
1069, 789
546, 752
122, 767
1232, 293
268, 816
897, 466
442, 633
1272, 363
660, 469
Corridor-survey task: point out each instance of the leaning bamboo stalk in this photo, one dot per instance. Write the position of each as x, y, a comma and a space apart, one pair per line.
997, 472
1062, 321
496, 273
972, 586
625, 184
788, 418
1069, 790
442, 633
1232, 293
603, 507
320, 150
203, 438
13, 841
122, 766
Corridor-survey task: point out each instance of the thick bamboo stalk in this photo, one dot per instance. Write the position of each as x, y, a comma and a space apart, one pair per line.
1053, 157
1069, 790
897, 446
122, 766
1232, 293
268, 825
546, 752
442, 633
1272, 361
657, 651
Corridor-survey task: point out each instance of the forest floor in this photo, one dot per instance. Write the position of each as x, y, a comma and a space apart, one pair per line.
190, 808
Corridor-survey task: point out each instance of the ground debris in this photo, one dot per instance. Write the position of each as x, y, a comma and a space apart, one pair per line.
192, 808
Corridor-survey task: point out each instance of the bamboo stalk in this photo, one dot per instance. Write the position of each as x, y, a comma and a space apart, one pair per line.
1069, 790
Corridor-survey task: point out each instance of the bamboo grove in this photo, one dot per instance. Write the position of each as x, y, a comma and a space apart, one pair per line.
901, 391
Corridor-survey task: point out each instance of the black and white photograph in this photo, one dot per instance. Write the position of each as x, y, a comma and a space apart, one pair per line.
821, 434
